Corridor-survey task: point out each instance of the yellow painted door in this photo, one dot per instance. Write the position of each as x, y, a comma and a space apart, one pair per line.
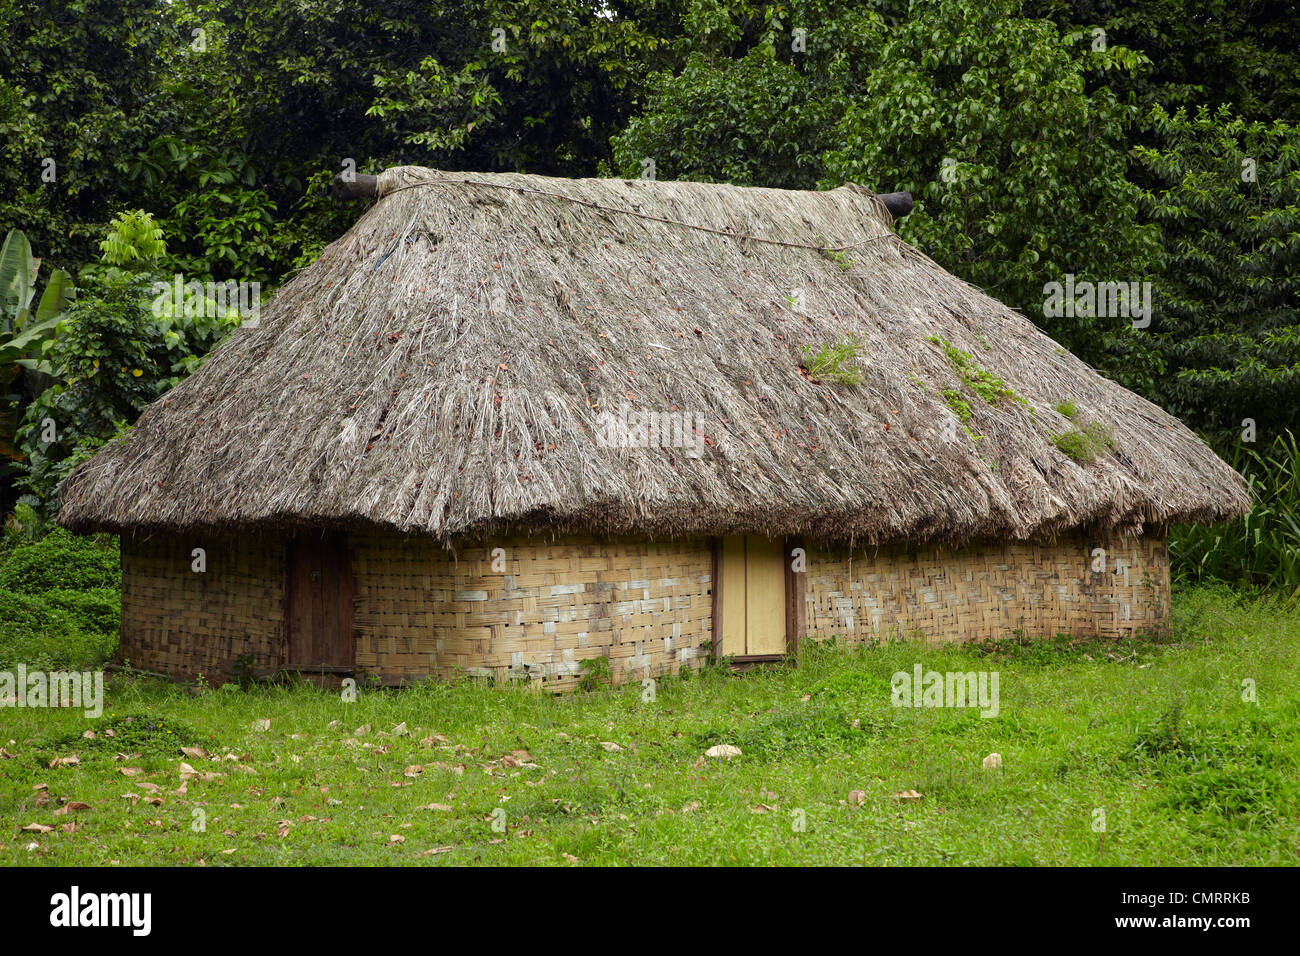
752, 588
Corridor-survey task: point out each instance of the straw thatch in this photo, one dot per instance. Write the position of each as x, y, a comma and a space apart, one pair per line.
441, 367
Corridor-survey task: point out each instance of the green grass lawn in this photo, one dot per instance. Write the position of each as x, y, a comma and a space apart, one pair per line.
1156, 735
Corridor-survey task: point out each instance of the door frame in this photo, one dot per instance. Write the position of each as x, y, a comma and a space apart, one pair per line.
795, 598
345, 599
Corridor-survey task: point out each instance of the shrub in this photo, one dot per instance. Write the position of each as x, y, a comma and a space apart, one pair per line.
62, 560
95, 611
44, 631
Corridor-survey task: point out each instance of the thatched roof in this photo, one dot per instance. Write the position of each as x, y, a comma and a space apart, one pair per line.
441, 369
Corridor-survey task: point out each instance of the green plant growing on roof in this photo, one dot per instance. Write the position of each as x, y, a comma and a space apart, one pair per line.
835, 362
1087, 443
1068, 409
839, 257
980, 381
956, 400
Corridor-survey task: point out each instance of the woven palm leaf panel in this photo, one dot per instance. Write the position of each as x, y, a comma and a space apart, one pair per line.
990, 591
531, 610
188, 623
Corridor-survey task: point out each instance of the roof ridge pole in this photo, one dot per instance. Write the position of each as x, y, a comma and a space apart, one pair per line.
355, 186
898, 204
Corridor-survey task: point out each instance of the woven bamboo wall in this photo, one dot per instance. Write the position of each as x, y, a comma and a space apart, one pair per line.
990, 591
184, 623
644, 605
647, 606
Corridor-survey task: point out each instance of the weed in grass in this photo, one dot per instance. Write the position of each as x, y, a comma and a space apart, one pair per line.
839, 257
595, 674
154, 735
957, 402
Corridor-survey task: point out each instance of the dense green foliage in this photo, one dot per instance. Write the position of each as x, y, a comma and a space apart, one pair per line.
59, 601
60, 561
1261, 549
1227, 200
1240, 54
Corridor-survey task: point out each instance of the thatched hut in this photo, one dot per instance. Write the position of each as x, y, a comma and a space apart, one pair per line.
510, 423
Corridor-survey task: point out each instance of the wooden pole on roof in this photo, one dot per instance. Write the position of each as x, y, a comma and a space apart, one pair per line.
898, 204
355, 186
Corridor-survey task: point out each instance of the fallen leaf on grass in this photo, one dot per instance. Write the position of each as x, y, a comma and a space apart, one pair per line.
414, 770
72, 761
909, 795
262, 725
437, 849
189, 773
857, 797
70, 807
396, 840
37, 828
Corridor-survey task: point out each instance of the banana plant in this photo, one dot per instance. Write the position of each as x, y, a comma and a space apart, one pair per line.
24, 332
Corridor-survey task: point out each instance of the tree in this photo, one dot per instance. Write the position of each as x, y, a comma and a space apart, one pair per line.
1241, 53
759, 94
78, 87
1227, 200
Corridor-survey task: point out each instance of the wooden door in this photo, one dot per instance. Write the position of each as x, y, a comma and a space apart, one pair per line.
752, 597
318, 602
